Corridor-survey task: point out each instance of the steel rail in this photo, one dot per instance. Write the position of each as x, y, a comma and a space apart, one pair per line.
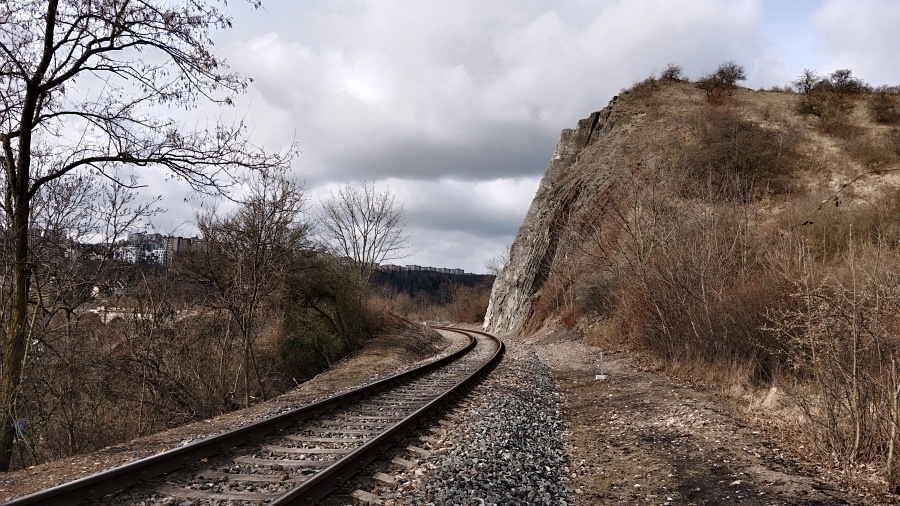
92, 488
323, 483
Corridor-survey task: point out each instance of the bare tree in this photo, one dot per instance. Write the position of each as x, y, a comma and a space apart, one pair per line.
721, 82
82, 85
497, 263
807, 81
672, 72
363, 225
61, 395
246, 255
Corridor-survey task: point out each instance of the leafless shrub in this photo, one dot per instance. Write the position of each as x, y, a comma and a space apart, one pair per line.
722, 82
672, 72
870, 152
469, 303
842, 340
828, 228
646, 88
686, 283
894, 139
830, 99
844, 83
807, 81
737, 158
884, 108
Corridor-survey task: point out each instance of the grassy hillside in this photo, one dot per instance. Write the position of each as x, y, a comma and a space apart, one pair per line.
747, 238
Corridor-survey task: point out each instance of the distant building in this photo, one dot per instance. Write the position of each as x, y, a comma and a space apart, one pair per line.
419, 268
144, 248
175, 245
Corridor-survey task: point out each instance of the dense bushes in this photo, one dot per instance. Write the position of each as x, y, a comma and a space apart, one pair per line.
830, 99
430, 296
884, 106
326, 316
96, 379
734, 158
689, 284
842, 340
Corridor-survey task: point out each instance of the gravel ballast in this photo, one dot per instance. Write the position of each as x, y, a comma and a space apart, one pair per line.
503, 445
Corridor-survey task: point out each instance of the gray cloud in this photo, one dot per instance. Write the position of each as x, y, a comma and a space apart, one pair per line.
861, 35
457, 105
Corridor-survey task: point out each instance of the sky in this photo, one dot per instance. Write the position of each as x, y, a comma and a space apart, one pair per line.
455, 106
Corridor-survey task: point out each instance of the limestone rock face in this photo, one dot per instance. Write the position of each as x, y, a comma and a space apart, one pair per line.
536, 245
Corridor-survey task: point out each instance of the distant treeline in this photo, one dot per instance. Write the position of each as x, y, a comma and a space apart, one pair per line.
434, 287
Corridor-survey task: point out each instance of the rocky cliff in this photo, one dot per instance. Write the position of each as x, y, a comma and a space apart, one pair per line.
536, 245
663, 172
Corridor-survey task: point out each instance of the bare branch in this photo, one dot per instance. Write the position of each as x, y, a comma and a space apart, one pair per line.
364, 226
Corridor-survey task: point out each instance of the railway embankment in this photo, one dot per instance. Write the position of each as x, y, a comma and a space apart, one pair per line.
384, 356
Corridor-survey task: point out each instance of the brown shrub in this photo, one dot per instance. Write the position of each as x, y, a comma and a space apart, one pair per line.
884, 108
722, 82
645, 88
864, 147
827, 229
686, 282
830, 99
708, 294
569, 318
672, 72
842, 340
734, 158
894, 140
469, 303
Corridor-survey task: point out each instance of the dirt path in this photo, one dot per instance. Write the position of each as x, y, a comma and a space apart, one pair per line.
639, 438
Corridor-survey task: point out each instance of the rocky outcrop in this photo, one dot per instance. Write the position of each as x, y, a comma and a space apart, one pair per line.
536, 245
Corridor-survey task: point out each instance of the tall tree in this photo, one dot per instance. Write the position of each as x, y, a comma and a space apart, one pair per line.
363, 225
83, 84
246, 256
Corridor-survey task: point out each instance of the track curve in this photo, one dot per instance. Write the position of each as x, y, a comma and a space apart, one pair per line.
296, 457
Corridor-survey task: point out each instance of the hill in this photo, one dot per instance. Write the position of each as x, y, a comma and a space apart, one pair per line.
739, 239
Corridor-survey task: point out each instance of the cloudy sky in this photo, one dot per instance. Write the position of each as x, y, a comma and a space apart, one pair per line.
455, 106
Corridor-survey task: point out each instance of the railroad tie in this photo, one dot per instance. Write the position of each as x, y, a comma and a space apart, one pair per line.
366, 498
405, 464
430, 440
420, 451
384, 478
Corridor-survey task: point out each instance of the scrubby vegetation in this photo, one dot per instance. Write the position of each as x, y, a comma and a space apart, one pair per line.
120, 351
434, 296
752, 238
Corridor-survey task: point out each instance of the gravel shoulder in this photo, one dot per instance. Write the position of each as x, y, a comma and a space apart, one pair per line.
503, 444
541, 429
640, 437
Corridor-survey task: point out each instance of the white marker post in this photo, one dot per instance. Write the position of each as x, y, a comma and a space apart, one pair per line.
602, 376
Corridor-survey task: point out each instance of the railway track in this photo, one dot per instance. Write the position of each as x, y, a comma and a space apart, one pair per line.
296, 457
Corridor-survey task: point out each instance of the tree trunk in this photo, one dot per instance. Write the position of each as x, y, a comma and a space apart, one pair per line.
17, 331
18, 201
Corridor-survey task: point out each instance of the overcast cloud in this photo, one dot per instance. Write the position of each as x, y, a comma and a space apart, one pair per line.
456, 106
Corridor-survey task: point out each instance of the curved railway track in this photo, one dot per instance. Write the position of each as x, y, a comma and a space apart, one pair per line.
296, 457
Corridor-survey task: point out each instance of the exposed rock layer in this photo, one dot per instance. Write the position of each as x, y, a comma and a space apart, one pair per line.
536, 245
